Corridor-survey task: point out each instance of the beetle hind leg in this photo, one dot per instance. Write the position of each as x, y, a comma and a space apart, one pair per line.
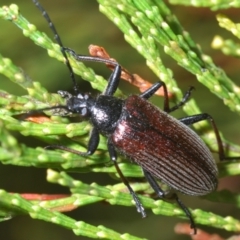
186, 211
161, 194
189, 120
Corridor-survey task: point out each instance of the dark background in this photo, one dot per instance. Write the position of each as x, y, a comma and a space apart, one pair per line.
80, 24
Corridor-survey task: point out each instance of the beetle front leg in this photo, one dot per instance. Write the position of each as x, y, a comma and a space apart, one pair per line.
113, 157
92, 145
113, 81
114, 78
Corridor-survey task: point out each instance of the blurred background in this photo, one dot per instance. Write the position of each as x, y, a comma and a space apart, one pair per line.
80, 24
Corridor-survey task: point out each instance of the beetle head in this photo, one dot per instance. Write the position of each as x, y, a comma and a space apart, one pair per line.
80, 103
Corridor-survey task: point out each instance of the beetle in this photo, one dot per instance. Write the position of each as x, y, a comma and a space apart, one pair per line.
164, 147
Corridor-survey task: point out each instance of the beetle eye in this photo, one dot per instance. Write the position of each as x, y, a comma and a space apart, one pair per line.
80, 96
84, 111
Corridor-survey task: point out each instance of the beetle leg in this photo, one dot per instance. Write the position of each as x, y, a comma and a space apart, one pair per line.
204, 116
113, 81
186, 211
160, 193
183, 101
92, 145
113, 157
150, 91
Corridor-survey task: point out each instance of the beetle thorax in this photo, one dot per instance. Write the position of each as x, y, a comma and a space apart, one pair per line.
105, 113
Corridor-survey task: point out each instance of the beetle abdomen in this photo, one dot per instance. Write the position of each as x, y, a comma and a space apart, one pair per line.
165, 147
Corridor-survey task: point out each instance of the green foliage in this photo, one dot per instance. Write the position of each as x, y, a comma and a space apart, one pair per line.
148, 26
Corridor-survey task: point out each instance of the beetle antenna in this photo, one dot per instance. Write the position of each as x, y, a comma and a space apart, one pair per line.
48, 109
86, 58
59, 41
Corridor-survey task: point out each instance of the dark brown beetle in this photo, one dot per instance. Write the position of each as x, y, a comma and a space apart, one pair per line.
164, 147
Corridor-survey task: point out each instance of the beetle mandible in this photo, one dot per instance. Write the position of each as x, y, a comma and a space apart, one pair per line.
164, 147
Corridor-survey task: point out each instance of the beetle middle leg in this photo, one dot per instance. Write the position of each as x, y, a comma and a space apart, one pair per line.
183, 101
161, 194
113, 157
149, 92
204, 116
